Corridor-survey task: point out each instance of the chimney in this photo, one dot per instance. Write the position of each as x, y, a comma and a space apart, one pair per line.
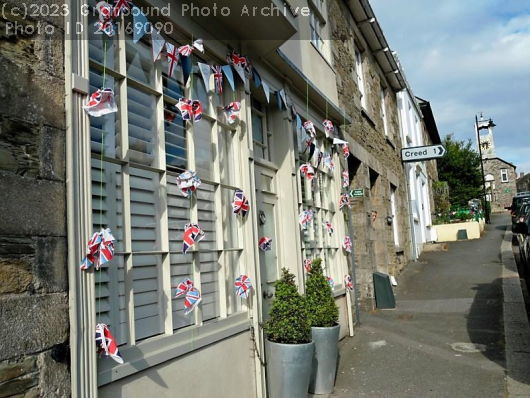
521, 175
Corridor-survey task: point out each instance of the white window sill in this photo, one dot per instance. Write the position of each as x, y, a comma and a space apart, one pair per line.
156, 350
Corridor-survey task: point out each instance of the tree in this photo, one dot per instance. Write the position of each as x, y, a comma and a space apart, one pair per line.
461, 169
288, 323
321, 308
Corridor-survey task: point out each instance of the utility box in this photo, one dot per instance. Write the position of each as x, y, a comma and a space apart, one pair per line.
461, 234
384, 295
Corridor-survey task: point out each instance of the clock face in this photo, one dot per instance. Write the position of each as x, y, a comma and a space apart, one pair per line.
485, 144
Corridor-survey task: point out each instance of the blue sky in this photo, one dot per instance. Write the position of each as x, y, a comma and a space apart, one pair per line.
466, 56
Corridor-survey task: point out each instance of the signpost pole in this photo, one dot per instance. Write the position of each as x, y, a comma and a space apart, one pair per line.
486, 210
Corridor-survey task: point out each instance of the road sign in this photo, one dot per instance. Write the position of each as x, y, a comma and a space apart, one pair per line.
355, 193
420, 153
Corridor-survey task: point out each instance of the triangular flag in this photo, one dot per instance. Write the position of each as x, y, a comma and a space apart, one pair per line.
282, 96
312, 148
266, 90
278, 100
338, 141
157, 43
141, 24
298, 122
227, 69
205, 71
172, 58
186, 67
240, 71
257, 78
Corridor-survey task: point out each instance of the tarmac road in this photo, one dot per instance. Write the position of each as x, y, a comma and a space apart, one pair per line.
446, 338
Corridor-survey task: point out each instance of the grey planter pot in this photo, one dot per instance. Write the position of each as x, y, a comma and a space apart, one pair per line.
324, 367
289, 369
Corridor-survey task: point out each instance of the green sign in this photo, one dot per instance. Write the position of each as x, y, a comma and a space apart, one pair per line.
357, 193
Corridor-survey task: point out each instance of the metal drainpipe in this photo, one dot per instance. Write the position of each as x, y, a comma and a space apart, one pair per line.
411, 215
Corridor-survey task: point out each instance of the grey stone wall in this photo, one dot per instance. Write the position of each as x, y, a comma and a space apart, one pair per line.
503, 192
375, 160
34, 324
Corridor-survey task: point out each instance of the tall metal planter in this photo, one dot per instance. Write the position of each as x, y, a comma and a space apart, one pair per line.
324, 368
289, 369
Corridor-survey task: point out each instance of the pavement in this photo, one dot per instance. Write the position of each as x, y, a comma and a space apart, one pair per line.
460, 328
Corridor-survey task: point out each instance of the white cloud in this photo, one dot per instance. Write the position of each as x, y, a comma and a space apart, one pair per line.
465, 57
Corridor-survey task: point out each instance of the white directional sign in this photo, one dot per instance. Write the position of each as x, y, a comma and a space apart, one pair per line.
419, 153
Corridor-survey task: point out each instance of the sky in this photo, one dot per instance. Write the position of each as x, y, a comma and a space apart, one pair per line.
465, 57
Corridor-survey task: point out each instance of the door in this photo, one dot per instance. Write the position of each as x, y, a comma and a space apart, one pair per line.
267, 227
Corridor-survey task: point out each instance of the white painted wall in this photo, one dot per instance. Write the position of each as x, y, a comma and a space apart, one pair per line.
411, 135
218, 370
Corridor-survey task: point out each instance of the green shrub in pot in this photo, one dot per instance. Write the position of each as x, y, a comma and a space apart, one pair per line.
323, 315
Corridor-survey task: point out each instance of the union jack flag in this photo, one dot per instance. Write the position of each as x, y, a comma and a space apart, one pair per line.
172, 58
308, 171
329, 227
345, 179
319, 158
106, 27
232, 111
240, 204
307, 265
310, 128
120, 5
265, 243
328, 127
348, 282
190, 108
183, 287
344, 201
347, 244
193, 298
243, 285
346, 150
305, 218
331, 282
192, 234
106, 344
308, 144
100, 250
188, 182
218, 78
101, 103
328, 162
185, 50
237, 60
105, 11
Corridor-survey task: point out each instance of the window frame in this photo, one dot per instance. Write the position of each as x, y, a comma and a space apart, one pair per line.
329, 248
360, 76
504, 175
232, 318
316, 24
383, 111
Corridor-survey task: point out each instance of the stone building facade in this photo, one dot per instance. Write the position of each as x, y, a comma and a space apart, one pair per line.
34, 323
380, 217
501, 178
52, 154
523, 182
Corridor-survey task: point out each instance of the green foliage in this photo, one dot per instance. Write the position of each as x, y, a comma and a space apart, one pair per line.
461, 169
288, 323
441, 196
321, 308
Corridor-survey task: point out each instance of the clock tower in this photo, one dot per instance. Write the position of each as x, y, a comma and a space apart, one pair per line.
486, 140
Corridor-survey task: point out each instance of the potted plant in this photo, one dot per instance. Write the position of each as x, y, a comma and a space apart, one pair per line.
289, 347
323, 315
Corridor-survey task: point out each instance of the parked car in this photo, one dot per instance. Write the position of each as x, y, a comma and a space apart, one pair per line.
522, 229
517, 201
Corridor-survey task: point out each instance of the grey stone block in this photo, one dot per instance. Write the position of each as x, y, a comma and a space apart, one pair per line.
52, 154
32, 207
16, 276
50, 265
33, 96
12, 369
30, 324
18, 387
55, 377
